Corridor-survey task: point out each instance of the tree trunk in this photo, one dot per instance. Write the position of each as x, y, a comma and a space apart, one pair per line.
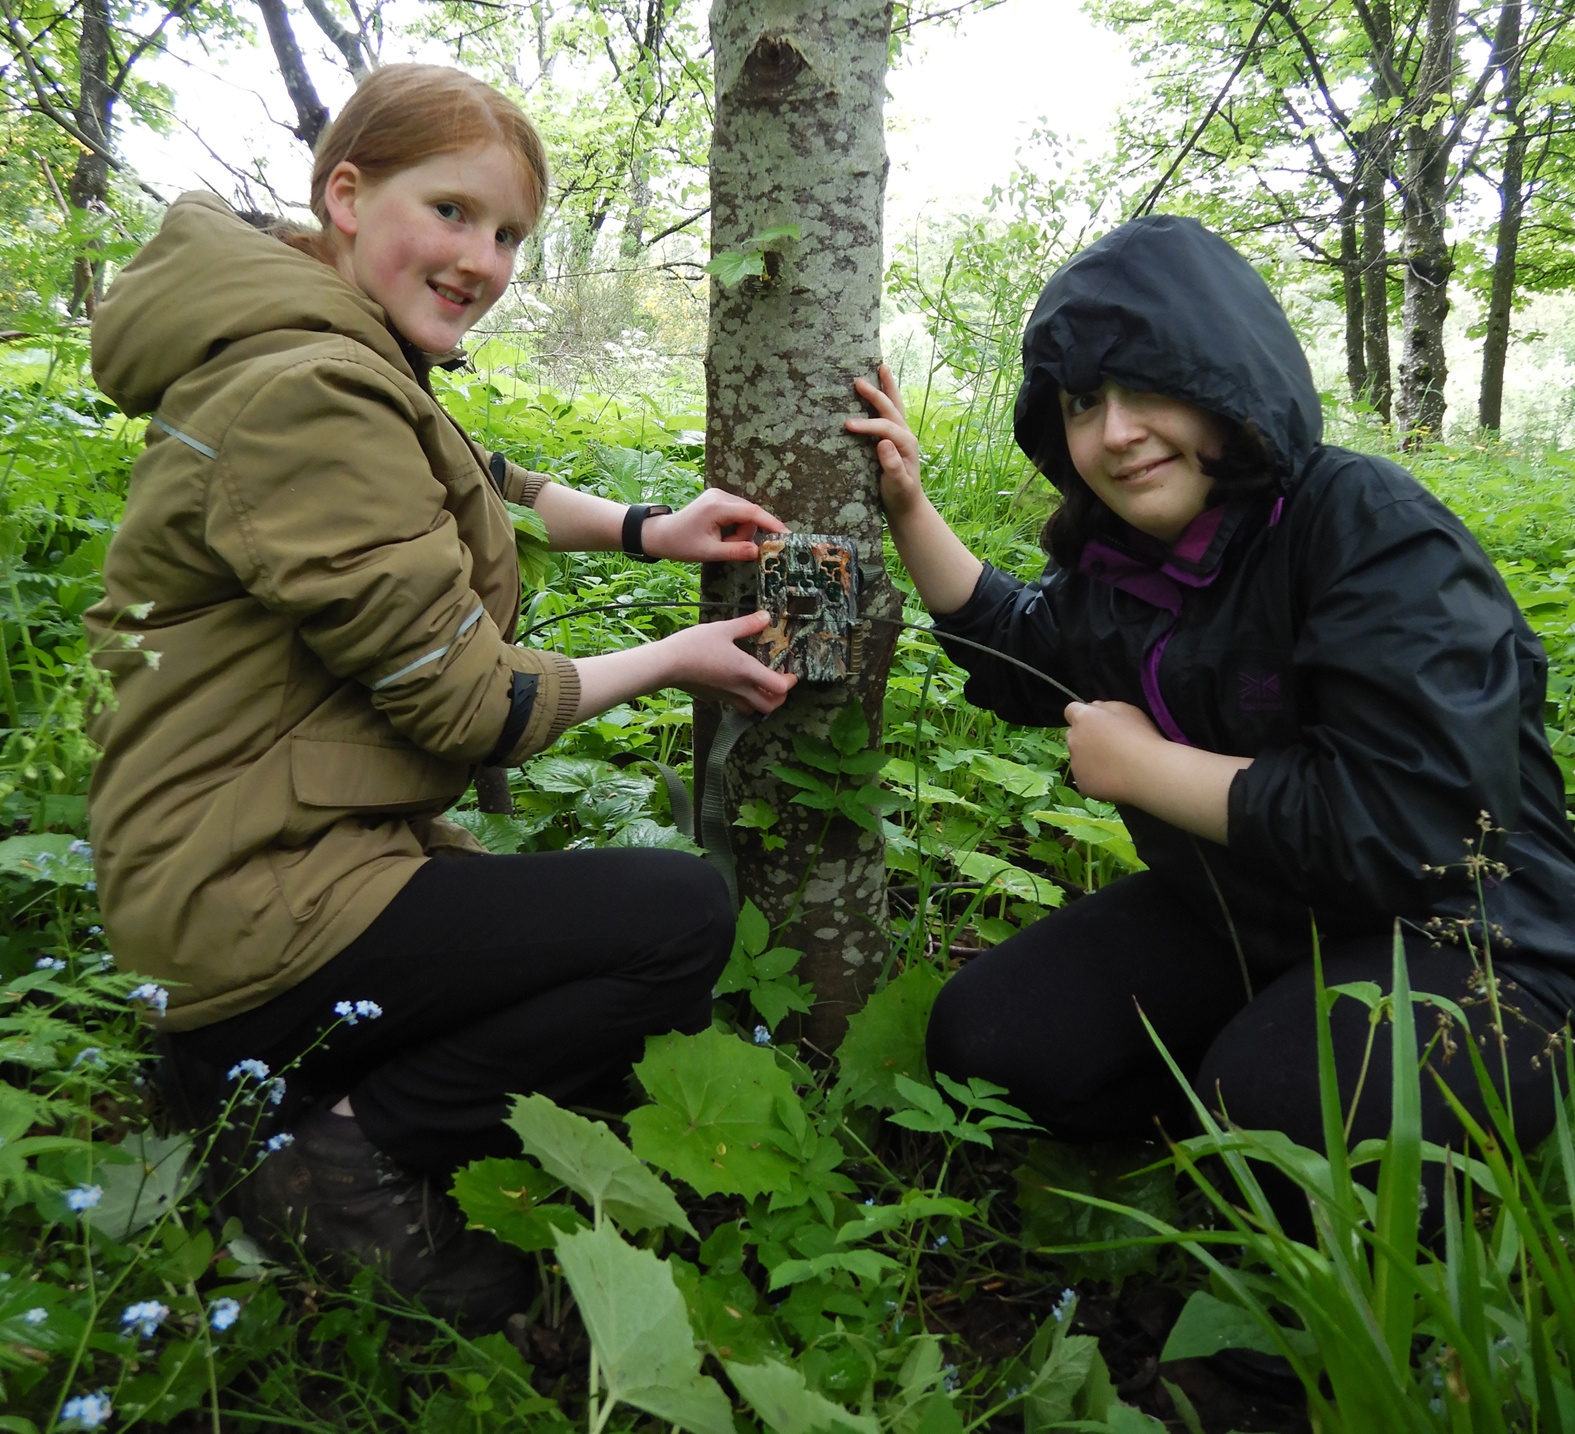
88, 188
1512, 200
799, 139
1351, 283
1375, 280
311, 114
1428, 263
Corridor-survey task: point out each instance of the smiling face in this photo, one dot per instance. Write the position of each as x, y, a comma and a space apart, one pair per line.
433, 244
1142, 455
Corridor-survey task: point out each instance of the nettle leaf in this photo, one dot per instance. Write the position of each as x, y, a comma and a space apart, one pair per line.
886, 1039
640, 1330
778, 1394
1117, 1173
595, 1164
719, 1113
505, 1197
812, 752
850, 733
1208, 1324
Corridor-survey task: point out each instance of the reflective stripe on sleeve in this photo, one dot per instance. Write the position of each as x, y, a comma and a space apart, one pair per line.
432, 656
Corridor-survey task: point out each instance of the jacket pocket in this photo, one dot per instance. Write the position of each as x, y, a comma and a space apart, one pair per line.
357, 776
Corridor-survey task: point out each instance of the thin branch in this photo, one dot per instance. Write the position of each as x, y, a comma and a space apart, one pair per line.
975, 6
1203, 124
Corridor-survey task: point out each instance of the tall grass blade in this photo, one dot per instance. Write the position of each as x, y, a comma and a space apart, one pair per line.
1348, 1209
1400, 1171
1548, 1420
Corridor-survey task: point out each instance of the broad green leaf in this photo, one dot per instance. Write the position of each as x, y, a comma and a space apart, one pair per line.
868, 1265
715, 1123
774, 999
804, 780
812, 752
1001, 875
1108, 834
1013, 777
651, 835
753, 930
1057, 1382
505, 1197
778, 1394
528, 523
159, 1175
850, 732
732, 267
48, 856
639, 1328
595, 1164
1209, 1324
899, 772
913, 1206
886, 1039
777, 234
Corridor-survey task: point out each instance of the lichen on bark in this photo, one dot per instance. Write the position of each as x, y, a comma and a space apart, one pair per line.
799, 140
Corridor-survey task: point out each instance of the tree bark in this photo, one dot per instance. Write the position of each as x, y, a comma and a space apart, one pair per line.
1376, 156
311, 114
88, 188
350, 45
1428, 263
1351, 283
1512, 200
799, 139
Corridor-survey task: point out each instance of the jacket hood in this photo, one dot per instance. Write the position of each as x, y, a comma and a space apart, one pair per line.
208, 279
1161, 305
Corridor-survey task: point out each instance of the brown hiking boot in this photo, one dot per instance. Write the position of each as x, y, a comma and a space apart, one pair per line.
340, 1197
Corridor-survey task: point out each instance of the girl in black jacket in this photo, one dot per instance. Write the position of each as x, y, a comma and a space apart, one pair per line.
1309, 693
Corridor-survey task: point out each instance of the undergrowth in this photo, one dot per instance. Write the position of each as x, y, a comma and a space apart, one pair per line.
768, 1240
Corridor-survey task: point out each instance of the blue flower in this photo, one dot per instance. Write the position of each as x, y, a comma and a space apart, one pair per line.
351, 1012
940, 1240
87, 1056
1064, 1306
49, 963
156, 998
80, 848
87, 1411
762, 1036
143, 1318
951, 1378
257, 1070
35, 1316
95, 931
89, 886
84, 1197
223, 1313
273, 1092
279, 1141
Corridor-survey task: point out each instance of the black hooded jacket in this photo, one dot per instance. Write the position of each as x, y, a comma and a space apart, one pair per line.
1344, 631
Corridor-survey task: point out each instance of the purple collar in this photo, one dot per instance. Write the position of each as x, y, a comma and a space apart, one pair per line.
1143, 566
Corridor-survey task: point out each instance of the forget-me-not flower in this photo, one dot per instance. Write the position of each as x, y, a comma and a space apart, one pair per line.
279, 1141
143, 1318
223, 1313
762, 1036
84, 1197
353, 1012
49, 963
156, 998
257, 1070
1064, 1306
35, 1316
87, 1411
87, 1056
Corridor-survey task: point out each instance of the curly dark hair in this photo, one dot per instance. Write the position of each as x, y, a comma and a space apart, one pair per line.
1244, 467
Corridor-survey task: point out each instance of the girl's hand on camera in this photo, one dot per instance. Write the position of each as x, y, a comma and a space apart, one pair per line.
716, 527
895, 446
706, 663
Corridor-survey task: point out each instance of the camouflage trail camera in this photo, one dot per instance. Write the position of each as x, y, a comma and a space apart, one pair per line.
809, 584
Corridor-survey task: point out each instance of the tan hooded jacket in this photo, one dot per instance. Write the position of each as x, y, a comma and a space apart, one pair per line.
333, 588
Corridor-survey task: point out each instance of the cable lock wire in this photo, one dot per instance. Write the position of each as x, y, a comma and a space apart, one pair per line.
1061, 687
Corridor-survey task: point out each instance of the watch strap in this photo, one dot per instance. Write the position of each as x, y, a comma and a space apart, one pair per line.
633, 520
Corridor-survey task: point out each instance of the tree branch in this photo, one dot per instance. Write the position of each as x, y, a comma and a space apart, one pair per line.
351, 46
311, 113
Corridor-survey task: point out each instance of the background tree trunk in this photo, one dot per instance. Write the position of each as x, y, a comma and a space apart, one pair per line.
1423, 365
88, 187
1512, 200
799, 139
1375, 161
1351, 284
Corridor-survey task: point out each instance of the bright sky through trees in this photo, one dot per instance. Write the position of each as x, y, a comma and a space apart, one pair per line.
961, 103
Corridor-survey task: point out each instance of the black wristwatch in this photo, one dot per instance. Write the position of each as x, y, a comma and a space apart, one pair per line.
633, 521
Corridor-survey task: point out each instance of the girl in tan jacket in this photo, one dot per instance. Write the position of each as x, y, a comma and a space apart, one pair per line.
316, 572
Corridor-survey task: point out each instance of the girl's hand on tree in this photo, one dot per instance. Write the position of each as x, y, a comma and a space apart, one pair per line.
715, 528
895, 446
706, 663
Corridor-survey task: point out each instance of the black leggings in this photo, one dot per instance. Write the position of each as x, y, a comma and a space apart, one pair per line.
1051, 1015
497, 975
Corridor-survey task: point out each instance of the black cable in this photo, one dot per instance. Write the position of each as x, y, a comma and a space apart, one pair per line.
1219, 896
